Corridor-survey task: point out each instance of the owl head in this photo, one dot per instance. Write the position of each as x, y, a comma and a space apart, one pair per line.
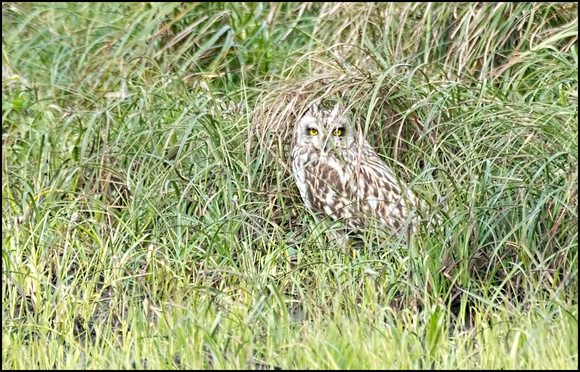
324, 130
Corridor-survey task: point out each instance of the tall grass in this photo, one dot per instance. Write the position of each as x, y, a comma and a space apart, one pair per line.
150, 218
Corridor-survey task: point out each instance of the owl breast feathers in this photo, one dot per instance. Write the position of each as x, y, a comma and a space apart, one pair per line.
338, 173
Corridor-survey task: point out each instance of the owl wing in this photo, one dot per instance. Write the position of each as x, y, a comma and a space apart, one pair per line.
381, 193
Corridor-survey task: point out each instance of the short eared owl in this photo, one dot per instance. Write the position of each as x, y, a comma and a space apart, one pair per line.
339, 174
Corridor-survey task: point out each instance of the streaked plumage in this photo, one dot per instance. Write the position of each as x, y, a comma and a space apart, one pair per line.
339, 174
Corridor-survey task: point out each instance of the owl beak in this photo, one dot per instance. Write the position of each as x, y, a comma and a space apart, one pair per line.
326, 146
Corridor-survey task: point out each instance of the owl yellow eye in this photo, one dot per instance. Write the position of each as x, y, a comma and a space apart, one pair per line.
337, 132
313, 132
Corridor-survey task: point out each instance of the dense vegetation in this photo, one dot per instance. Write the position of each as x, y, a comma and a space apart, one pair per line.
150, 218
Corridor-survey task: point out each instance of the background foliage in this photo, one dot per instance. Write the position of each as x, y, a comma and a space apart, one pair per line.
150, 219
